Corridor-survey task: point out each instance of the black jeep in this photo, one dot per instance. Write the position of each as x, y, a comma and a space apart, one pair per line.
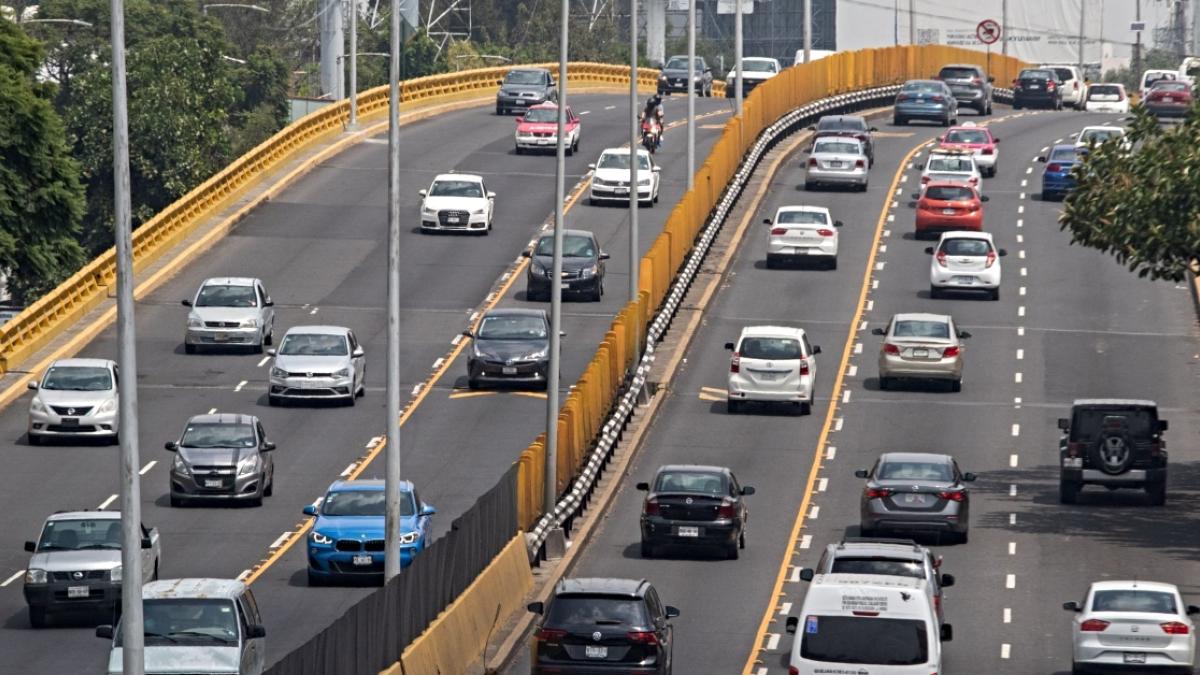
1116, 443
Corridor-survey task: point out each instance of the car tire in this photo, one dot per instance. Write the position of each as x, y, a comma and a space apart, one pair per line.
733, 407
189, 349
647, 549
38, 617
946, 122
833, 263
177, 501
1016, 106
269, 338
771, 262
591, 201
994, 294
472, 383
899, 121
269, 490
935, 293
809, 186
258, 348
805, 408
731, 551
34, 439
885, 383
956, 385
1068, 491
864, 187
274, 401
256, 502
1157, 492
115, 439
500, 111
598, 294
867, 532
517, 149
316, 580
962, 537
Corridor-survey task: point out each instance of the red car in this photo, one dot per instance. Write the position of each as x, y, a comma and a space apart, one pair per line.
1169, 98
947, 206
537, 129
978, 140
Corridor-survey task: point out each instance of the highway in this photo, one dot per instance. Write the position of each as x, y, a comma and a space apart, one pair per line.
1071, 323
320, 249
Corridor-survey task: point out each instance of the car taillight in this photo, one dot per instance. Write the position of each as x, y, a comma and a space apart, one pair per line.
1156, 96
735, 364
974, 180
938, 98
650, 507
1054, 167
725, 511
991, 259
824, 232
1074, 449
889, 348
1093, 625
1050, 86
924, 179
988, 151
551, 635
812, 161
949, 351
859, 164
1175, 628
1016, 84
878, 493
779, 230
803, 367
953, 495
940, 258
973, 207
1155, 448
976, 81
643, 637
901, 98
793, 670
1076, 85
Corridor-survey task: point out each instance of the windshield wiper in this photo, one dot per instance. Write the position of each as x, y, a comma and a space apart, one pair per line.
197, 633
99, 546
160, 635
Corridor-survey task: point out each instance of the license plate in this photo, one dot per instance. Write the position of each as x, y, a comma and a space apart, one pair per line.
1072, 462
452, 219
948, 212
220, 337
687, 531
520, 102
1135, 657
1035, 86
70, 421
213, 483
835, 165
966, 281
362, 560
77, 591
308, 384
768, 375
543, 141
920, 352
622, 190
594, 652
509, 370
914, 499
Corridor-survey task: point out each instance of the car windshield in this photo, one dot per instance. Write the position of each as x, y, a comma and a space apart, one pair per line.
542, 115
691, 481
513, 327
188, 622
216, 435
212, 295
958, 73
80, 535
363, 503
313, 344
859, 639
915, 470
524, 77
1035, 75
1151, 78
456, 188
77, 378
1096, 91
1167, 85
585, 612
837, 147
614, 160
758, 66
923, 87
770, 348
966, 247
842, 124
950, 193
681, 63
967, 136
922, 329
1131, 600
1090, 423
1064, 74
574, 246
1063, 155
803, 217
952, 163
872, 565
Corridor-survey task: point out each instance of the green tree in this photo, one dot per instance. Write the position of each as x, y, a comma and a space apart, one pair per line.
41, 201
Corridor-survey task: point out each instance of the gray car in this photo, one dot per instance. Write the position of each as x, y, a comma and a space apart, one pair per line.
317, 362
222, 456
971, 86
523, 88
510, 346
837, 160
673, 77
916, 492
582, 266
230, 312
76, 398
76, 564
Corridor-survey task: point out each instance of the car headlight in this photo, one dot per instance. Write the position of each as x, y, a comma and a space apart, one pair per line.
248, 466
35, 576
536, 356
591, 271
479, 212
250, 323
180, 466
428, 212
318, 538
108, 406
535, 266
36, 405
114, 574
643, 181
662, 78
278, 372
344, 372
408, 537
195, 322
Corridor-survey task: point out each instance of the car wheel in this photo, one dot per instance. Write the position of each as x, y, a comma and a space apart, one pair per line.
115, 439
273, 400
806, 408
37, 617
899, 121
34, 439
809, 186
995, 294
731, 550
256, 502
1157, 493
472, 383
189, 349
863, 187
956, 385
1068, 491
569, 151
597, 293
833, 263
647, 549
270, 489
258, 348
352, 399
946, 122
315, 579
771, 263
592, 201
962, 537
1016, 106
885, 383
733, 407
518, 150
177, 501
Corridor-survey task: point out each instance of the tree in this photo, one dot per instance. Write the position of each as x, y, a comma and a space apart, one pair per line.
1142, 206
41, 201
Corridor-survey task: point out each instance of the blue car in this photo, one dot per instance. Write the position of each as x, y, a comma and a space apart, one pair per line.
930, 100
346, 541
1057, 180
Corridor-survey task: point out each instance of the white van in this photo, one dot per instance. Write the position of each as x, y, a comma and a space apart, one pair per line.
813, 55
1154, 75
877, 624
1189, 69
200, 626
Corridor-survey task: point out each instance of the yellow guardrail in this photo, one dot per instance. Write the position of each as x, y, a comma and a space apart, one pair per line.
588, 404
52, 314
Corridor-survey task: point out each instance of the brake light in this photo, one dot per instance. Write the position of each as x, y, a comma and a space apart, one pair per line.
941, 258
793, 670
859, 164
725, 511
650, 507
1016, 84
551, 635
974, 180
735, 364
949, 351
976, 80
779, 230
889, 348
1074, 449
1175, 628
825, 232
878, 493
1054, 167
938, 98
973, 207
803, 366
1050, 86
924, 179
953, 495
1093, 625
643, 637
1155, 448
988, 151
1076, 85
812, 161
991, 259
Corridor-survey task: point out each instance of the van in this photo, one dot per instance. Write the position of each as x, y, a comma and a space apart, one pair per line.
200, 626
813, 55
1189, 69
1154, 75
877, 624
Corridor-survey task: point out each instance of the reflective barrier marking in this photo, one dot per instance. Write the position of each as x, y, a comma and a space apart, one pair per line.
772, 642
821, 486
806, 541
345, 472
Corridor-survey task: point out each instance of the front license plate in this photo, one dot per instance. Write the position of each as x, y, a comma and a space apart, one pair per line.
70, 421
362, 560
543, 141
220, 337
509, 370
687, 531
1135, 657
308, 384
921, 352
213, 483
77, 591
594, 652
520, 102
948, 212
452, 219
622, 190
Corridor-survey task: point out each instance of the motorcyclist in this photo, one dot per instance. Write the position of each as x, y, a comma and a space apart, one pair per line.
654, 112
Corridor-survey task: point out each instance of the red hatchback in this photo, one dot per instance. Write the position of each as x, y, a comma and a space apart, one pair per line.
947, 206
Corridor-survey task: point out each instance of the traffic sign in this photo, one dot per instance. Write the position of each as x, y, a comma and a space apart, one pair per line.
988, 31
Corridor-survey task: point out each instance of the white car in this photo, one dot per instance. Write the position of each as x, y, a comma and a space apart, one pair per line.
77, 398
755, 71
1072, 83
610, 177
837, 160
772, 363
457, 202
1141, 624
1106, 97
953, 165
802, 233
1153, 75
1100, 134
965, 261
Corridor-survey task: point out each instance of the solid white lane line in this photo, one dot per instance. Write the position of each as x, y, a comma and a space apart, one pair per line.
12, 578
822, 484
830, 452
279, 542
806, 541
785, 608
348, 470
772, 641
1007, 615
1012, 461
1012, 548
240, 385
104, 504
149, 465
1010, 581
815, 513
1005, 650
1016, 429
212, 411
1017, 377
263, 362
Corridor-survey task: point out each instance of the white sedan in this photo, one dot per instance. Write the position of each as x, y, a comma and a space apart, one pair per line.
1140, 624
610, 177
458, 202
965, 261
802, 233
772, 364
955, 165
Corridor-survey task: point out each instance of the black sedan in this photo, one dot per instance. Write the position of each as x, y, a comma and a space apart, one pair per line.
690, 505
582, 266
510, 346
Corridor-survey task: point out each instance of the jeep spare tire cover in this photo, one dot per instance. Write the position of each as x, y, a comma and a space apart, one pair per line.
1113, 452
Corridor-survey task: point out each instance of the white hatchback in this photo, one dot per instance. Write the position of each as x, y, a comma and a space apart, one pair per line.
801, 233
772, 363
965, 261
1106, 97
955, 165
1141, 624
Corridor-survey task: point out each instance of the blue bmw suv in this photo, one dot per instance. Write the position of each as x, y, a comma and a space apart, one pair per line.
346, 541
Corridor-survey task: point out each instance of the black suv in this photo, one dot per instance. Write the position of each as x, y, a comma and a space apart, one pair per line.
1116, 443
1037, 87
673, 77
971, 86
601, 626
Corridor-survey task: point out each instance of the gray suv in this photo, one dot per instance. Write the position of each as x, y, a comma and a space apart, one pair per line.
525, 87
222, 456
674, 74
971, 86
1116, 443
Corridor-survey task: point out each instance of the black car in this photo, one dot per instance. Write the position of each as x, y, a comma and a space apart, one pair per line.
1115, 443
971, 86
690, 505
597, 626
582, 266
673, 76
525, 87
1037, 87
510, 346
853, 126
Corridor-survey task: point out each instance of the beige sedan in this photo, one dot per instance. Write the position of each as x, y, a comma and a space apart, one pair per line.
921, 347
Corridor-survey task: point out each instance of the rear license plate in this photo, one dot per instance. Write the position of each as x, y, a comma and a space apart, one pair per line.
768, 375
509, 370
70, 421
362, 560
77, 591
965, 281
594, 652
1135, 657
1035, 86
213, 483
948, 212
835, 165
920, 352
1072, 462
686, 531
914, 499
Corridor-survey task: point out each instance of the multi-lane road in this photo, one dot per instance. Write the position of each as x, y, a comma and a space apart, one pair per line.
319, 247
1070, 323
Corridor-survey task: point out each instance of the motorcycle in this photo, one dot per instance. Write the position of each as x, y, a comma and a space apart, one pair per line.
651, 135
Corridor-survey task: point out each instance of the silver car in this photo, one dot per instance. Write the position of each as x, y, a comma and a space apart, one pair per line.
222, 456
921, 347
915, 492
76, 398
229, 312
317, 362
76, 564
837, 160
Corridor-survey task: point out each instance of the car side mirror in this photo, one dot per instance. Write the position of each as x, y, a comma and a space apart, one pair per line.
791, 625
146, 543
861, 473
171, 445
428, 510
747, 491
807, 574
1041, 158
991, 78
491, 195
104, 631
995, 140
30, 547
963, 335
929, 250
1192, 609
592, 167
672, 612
1071, 606
255, 631
947, 580
657, 168
838, 223
1002, 252
642, 487
358, 353
1162, 425
272, 352
310, 510
605, 256
878, 331
729, 346
969, 477
186, 303
467, 334
423, 193
32, 385
766, 221
526, 253
816, 349
812, 128
267, 446
873, 129
536, 607
984, 198
947, 632
269, 303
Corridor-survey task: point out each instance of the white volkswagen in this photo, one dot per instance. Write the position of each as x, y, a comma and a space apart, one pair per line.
610, 177
801, 233
955, 165
1133, 624
965, 261
772, 363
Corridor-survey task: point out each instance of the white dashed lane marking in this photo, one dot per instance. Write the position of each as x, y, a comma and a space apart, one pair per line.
806, 541
149, 465
1007, 615
263, 361
1012, 548
1010, 581
1005, 649
241, 384
1013, 460
105, 504
12, 578
785, 608
212, 411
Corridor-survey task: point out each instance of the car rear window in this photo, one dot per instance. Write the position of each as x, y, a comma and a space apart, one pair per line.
1035, 75
1064, 74
951, 163
842, 123
966, 247
1090, 423
967, 136
524, 77
950, 193
1063, 155
698, 482
583, 612
919, 329
1134, 601
1096, 91
914, 470
958, 73
860, 639
779, 349
928, 87
1099, 135
889, 566
803, 217
837, 146
1169, 85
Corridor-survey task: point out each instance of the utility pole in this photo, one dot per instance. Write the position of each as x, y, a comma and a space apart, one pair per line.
633, 144
807, 30
737, 56
912, 22
691, 95
329, 21
1004, 28
1082, 24
391, 537
132, 630
896, 22
1137, 44
353, 65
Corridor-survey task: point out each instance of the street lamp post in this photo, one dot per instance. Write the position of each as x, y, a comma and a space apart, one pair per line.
633, 144
391, 554
691, 95
237, 5
353, 123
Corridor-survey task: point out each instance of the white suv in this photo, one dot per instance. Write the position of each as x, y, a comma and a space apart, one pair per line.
803, 233
772, 363
1072, 83
457, 202
965, 261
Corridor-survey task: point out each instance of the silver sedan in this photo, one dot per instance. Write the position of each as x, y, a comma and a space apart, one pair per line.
837, 160
921, 347
77, 398
916, 492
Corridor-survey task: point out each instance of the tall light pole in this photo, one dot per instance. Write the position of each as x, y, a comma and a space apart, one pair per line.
1137, 45
132, 635
353, 123
737, 58
691, 95
391, 539
1082, 17
633, 144
912, 22
807, 31
1004, 28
